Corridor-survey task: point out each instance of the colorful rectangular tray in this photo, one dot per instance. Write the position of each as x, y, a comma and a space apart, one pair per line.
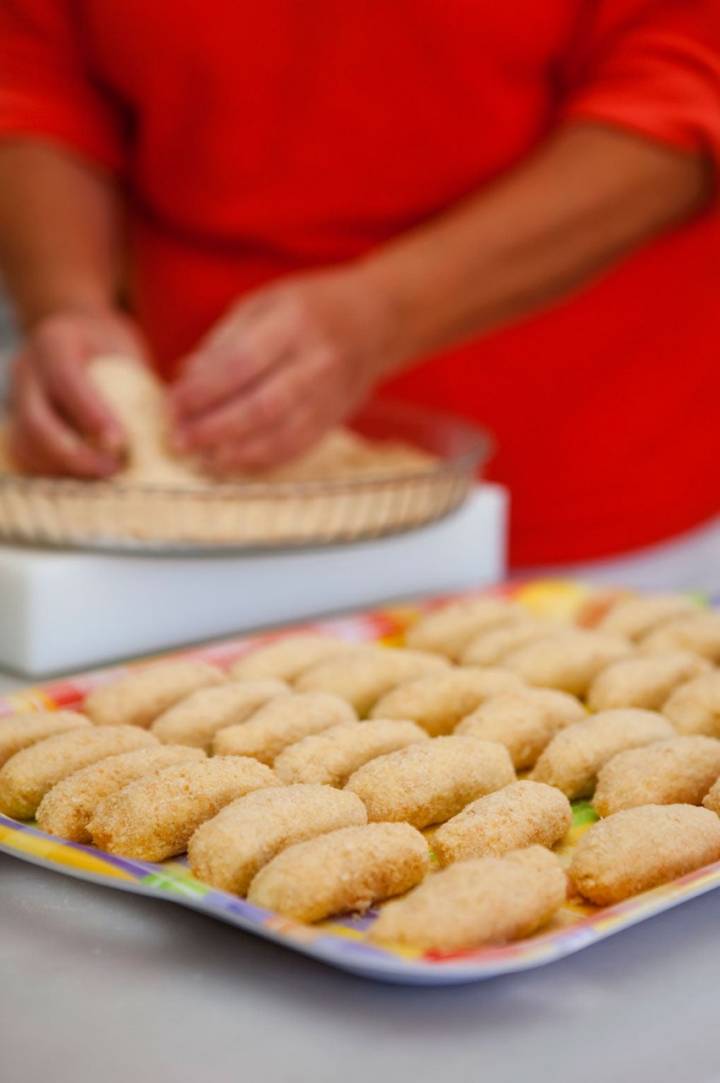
341, 942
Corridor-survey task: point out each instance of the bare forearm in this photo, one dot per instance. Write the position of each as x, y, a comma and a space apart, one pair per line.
589, 197
59, 232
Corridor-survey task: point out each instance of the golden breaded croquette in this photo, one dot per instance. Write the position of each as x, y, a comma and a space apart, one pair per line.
699, 632
155, 817
332, 756
429, 782
679, 771
343, 871
139, 697
198, 717
68, 807
363, 675
230, 849
568, 660
519, 815
641, 848
285, 659
643, 681
712, 798
524, 721
575, 755
636, 617
490, 647
695, 707
281, 722
439, 701
18, 731
487, 900
29, 774
449, 629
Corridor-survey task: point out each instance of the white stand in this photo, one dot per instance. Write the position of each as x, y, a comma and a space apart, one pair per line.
68, 609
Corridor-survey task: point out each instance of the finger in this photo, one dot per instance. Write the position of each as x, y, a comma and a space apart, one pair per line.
270, 402
57, 448
227, 366
61, 359
273, 447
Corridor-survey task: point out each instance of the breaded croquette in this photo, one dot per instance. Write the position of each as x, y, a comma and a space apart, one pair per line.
524, 721
18, 731
139, 697
285, 659
438, 702
712, 798
636, 617
641, 848
230, 849
568, 660
29, 774
196, 719
487, 900
429, 782
699, 632
449, 629
281, 722
575, 755
675, 772
155, 817
643, 681
363, 675
343, 871
695, 707
68, 807
490, 647
521, 814
332, 756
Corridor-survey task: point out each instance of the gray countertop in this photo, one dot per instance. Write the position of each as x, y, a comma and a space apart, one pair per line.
99, 985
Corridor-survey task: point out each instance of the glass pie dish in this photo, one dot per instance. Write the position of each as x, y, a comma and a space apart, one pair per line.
397, 493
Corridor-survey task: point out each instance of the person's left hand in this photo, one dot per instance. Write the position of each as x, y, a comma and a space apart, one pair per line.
283, 367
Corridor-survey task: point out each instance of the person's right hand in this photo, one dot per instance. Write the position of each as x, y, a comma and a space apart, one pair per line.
59, 425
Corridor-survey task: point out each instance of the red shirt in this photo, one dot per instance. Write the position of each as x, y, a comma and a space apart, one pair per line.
260, 138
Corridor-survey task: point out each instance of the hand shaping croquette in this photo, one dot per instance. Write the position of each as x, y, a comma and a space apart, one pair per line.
154, 817
484, 901
567, 661
18, 731
675, 772
363, 675
524, 721
695, 707
641, 848
228, 850
438, 702
490, 647
575, 755
699, 632
139, 697
518, 815
28, 775
449, 629
287, 658
634, 618
343, 871
429, 782
282, 722
196, 719
643, 681
332, 756
68, 807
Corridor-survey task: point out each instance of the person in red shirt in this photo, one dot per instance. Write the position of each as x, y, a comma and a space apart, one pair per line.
506, 211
